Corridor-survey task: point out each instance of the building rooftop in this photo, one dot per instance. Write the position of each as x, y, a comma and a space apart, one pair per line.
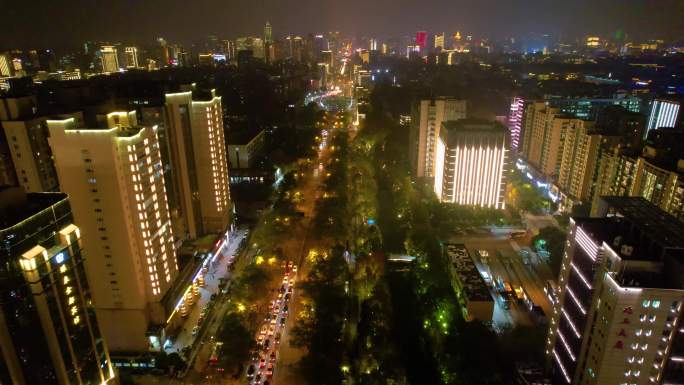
474, 286
16, 205
649, 241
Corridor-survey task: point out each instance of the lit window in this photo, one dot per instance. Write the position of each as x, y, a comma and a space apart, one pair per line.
646, 303
656, 303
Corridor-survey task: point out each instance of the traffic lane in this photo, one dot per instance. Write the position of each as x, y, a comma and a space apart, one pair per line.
270, 334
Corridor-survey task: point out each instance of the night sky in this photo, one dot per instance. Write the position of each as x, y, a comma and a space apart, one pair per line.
40, 23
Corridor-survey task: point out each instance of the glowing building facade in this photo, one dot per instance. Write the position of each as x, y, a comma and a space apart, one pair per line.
109, 58
664, 113
617, 314
49, 333
471, 162
515, 121
114, 178
197, 152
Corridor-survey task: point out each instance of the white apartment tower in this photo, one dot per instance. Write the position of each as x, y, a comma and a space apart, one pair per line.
114, 179
197, 153
426, 121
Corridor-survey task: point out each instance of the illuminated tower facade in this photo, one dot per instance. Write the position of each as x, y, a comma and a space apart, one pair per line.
109, 58
515, 121
198, 157
664, 113
421, 40
131, 57
49, 333
471, 163
114, 178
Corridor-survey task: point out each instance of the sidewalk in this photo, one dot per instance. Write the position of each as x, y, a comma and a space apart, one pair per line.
218, 269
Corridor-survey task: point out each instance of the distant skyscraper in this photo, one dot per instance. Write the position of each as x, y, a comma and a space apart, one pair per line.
131, 57
426, 120
49, 333
113, 177
439, 42
471, 161
198, 157
421, 40
664, 113
617, 316
268, 33
5, 65
373, 44
109, 58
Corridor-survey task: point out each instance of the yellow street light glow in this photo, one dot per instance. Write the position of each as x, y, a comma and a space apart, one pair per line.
259, 260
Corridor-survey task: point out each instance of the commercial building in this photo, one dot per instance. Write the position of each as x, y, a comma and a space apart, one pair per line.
27, 137
471, 163
109, 58
427, 117
198, 159
618, 317
131, 56
664, 113
49, 333
471, 289
244, 148
114, 179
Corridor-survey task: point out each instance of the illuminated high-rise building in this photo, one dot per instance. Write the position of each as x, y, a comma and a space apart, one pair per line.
373, 44
471, 163
515, 121
109, 58
131, 55
49, 333
268, 33
664, 113
421, 40
439, 42
427, 117
617, 314
5, 65
198, 158
113, 176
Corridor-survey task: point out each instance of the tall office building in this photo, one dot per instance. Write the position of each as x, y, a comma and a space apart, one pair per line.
113, 177
617, 319
198, 157
109, 58
471, 163
49, 333
664, 113
426, 121
131, 55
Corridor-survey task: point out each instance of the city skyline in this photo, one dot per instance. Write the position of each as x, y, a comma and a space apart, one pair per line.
51, 23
